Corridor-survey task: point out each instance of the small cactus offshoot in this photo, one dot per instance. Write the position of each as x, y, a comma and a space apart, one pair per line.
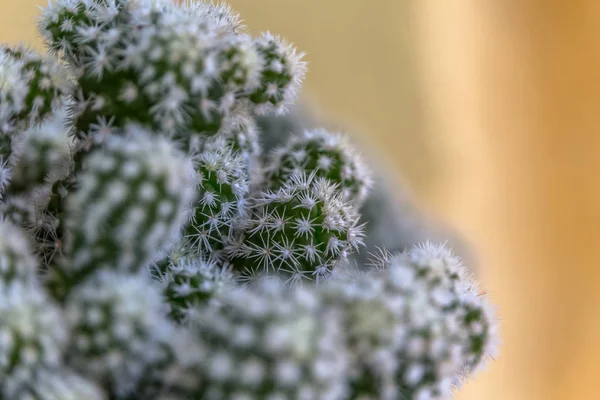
415, 325
119, 329
191, 283
329, 155
151, 249
224, 186
33, 334
302, 230
278, 345
31, 87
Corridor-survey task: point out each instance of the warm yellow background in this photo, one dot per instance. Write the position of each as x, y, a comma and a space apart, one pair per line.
491, 109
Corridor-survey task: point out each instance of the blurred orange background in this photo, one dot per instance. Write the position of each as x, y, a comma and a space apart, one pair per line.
491, 111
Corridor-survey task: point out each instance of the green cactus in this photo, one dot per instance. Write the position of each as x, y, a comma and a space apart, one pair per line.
449, 281
240, 133
59, 385
223, 185
31, 87
327, 154
303, 230
43, 157
192, 283
33, 334
17, 263
281, 76
119, 329
176, 260
274, 345
413, 331
132, 196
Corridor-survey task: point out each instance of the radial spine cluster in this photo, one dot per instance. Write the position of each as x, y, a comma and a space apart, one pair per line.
330, 155
276, 345
416, 325
302, 230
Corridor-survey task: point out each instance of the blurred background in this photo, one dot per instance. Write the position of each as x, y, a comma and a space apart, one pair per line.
489, 111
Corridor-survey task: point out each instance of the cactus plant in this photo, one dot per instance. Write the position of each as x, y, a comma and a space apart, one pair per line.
302, 230
224, 186
278, 344
63, 384
190, 283
416, 325
150, 248
328, 155
391, 218
32, 87
119, 329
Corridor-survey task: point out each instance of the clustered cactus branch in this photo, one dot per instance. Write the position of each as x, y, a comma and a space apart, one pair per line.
149, 250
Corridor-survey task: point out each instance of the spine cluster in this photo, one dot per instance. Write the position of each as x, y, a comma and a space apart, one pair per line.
278, 344
130, 198
150, 250
222, 205
190, 284
119, 330
31, 87
415, 325
33, 330
302, 230
328, 155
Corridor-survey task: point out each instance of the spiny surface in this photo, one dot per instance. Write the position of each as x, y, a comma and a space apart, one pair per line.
33, 335
178, 68
120, 330
301, 231
411, 329
192, 283
223, 189
328, 155
31, 87
17, 263
272, 345
131, 199
59, 385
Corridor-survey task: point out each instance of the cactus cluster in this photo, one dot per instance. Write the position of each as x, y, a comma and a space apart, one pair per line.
328, 155
150, 250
